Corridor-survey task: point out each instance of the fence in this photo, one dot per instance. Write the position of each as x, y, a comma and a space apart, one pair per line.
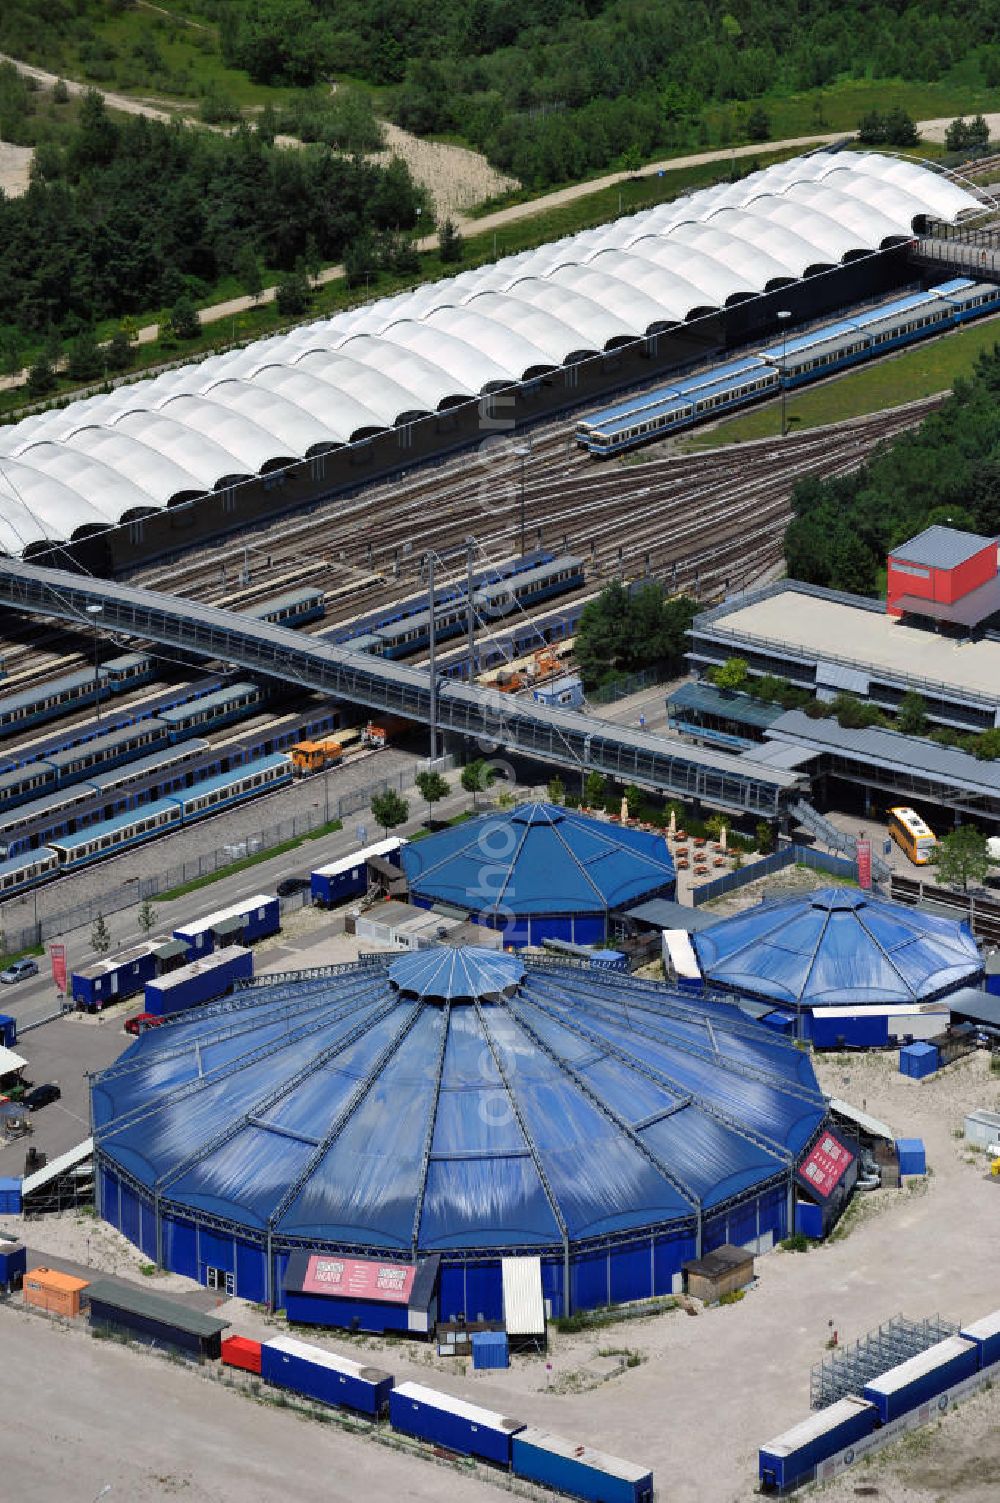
608, 694
136, 890
789, 855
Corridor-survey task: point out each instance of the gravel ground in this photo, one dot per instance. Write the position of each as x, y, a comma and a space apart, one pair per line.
456, 178
15, 168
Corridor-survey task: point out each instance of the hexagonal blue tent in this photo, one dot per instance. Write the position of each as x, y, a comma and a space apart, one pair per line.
539, 872
838, 948
458, 1102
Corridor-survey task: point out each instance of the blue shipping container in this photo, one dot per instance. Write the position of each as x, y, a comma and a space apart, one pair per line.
261, 916
923, 1377
452, 1423
912, 1156
201, 981
490, 1349
859, 1030
809, 1219
919, 1060
986, 1335
13, 1264
579, 1470
347, 878
8, 1030
318, 1374
112, 980
794, 1456
10, 1197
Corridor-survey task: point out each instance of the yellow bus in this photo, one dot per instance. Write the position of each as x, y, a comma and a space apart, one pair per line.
915, 838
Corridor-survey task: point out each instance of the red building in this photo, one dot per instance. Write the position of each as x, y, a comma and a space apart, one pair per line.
944, 574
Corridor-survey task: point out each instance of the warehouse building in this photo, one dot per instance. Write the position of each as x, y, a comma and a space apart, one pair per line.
212, 446
462, 1103
839, 949
539, 872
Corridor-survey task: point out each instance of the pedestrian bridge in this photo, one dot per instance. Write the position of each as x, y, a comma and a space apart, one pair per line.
495, 722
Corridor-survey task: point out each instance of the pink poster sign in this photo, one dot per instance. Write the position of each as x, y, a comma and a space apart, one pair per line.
359, 1278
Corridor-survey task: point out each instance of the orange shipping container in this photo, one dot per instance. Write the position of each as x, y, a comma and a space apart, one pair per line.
58, 1293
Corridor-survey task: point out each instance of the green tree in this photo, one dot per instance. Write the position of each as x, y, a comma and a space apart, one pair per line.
389, 809
451, 246
118, 353
85, 358
631, 159
432, 788
146, 917
41, 378
765, 837
732, 674
100, 935
986, 746
759, 124
11, 352
251, 277
477, 777
900, 129
911, 717
556, 790
60, 93
593, 789
293, 295
961, 857
183, 321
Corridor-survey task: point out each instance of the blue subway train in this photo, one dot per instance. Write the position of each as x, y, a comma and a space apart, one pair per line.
785, 363
111, 837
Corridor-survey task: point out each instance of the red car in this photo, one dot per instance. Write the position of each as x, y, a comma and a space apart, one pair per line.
142, 1020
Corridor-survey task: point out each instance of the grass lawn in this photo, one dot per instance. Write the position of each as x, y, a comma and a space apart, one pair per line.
903, 378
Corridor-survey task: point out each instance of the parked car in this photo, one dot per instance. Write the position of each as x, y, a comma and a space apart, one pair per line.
41, 1095
288, 886
141, 1021
19, 970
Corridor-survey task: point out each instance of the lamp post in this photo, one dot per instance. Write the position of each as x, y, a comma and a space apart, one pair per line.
94, 611
522, 451
784, 315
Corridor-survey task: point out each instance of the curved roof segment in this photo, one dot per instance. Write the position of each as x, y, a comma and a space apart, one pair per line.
452, 1101
332, 382
538, 859
838, 948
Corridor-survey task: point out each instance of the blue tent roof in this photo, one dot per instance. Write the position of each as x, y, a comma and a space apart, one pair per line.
434, 1102
837, 947
538, 858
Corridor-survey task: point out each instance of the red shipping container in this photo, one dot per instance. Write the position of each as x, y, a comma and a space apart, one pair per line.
240, 1351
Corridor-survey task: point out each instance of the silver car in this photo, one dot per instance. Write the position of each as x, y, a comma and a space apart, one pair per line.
20, 970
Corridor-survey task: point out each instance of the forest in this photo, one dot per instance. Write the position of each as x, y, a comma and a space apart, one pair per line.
549, 91
125, 214
945, 471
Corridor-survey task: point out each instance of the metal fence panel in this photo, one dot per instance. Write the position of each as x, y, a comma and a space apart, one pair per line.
790, 855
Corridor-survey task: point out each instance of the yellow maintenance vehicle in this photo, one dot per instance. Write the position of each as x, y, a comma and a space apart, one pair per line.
315, 756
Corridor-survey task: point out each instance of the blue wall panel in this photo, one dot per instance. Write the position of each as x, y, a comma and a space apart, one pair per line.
180, 1247
131, 1215
147, 1230
552, 1284
484, 1291
451, 1297
251, 1263
217, 1252
743, 1224
631, 1273
589, 1278
109, 1197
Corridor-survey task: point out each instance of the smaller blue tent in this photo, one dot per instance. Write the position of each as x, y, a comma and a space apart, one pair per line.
539, 872
837, 948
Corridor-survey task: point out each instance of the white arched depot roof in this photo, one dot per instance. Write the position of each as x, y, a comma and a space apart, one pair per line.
111, 458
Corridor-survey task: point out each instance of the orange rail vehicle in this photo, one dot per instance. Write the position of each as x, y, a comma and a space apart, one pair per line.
316, 756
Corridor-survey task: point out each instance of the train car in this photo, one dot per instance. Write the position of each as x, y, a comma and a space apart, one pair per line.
818, 353
105, 752
453, 1423
316, 1373
22, 784
56, 696
29, 826
231, 702
209, 795
111, 836
579, 1470
252, 919
895, 324
18, 873
969, 299
294, 608
172, 764
129, 671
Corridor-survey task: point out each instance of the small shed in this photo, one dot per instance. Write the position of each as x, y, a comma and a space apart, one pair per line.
13, 1263
155, 1320
490, 1350
10, 1196
567, 692
828, 1173
983, 1128
362, 1294
8, 1030
722, 1271
919, 1060
11, 1065
56, 1293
